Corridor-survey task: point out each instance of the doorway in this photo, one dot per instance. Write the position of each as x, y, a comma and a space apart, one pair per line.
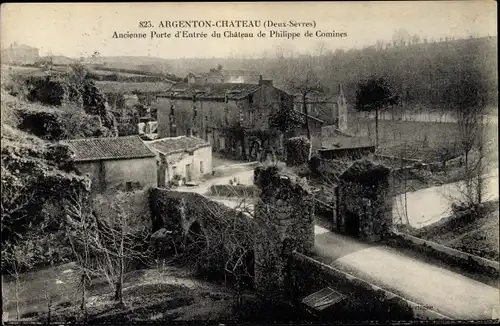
352, 224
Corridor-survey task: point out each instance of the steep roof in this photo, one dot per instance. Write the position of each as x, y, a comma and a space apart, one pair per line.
96, 149
212, 90
179, 144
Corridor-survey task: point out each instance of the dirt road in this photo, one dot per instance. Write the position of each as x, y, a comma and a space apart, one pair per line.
446, 292
429, 205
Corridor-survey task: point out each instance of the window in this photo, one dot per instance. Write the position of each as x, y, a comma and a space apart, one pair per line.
250, 99
251, 117
201, 167
174, 171
128, 186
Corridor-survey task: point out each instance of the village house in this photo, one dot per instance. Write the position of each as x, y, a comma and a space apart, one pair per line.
207, 110
181, 158
122, 97
118, 163
224, 76
20, 54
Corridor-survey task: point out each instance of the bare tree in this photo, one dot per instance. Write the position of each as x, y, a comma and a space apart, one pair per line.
16, 258
112, 239
468, 98
303, 80
79, 230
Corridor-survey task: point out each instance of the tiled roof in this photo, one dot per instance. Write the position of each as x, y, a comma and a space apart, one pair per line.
126, 87
215, 90
95, 149
177, 144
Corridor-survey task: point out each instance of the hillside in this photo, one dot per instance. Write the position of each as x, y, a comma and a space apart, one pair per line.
420, 72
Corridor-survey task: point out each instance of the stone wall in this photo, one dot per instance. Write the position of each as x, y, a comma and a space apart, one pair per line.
453, 257
284, 217
365, 301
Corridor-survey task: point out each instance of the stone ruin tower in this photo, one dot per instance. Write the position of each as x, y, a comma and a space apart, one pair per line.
284, 216
364, 201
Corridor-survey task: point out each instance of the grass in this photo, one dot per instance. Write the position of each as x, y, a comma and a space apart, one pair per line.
165, 293
478, 236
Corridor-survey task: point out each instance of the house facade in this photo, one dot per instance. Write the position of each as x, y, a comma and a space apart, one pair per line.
118, 163
181, 158
206, 111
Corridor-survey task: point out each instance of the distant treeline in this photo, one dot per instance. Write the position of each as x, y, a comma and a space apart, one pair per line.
420, 72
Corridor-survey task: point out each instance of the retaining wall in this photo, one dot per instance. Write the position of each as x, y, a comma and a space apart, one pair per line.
448, 255
365, 300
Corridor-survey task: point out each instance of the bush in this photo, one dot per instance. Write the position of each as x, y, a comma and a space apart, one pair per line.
55, 124
298, 150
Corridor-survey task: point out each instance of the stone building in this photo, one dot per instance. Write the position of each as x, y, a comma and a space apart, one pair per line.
20, 54
364, 201
118, 163
183, 157
207, 110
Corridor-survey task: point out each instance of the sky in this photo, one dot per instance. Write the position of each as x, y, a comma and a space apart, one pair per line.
80, 29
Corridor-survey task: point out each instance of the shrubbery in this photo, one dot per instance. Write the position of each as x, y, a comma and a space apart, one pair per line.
298, 150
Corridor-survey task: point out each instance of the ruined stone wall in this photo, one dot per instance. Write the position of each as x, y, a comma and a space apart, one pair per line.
227, 234
284, 217
364, 195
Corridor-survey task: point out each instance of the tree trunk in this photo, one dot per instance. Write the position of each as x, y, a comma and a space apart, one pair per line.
17, 296
376, 127
84, 294
306, 118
